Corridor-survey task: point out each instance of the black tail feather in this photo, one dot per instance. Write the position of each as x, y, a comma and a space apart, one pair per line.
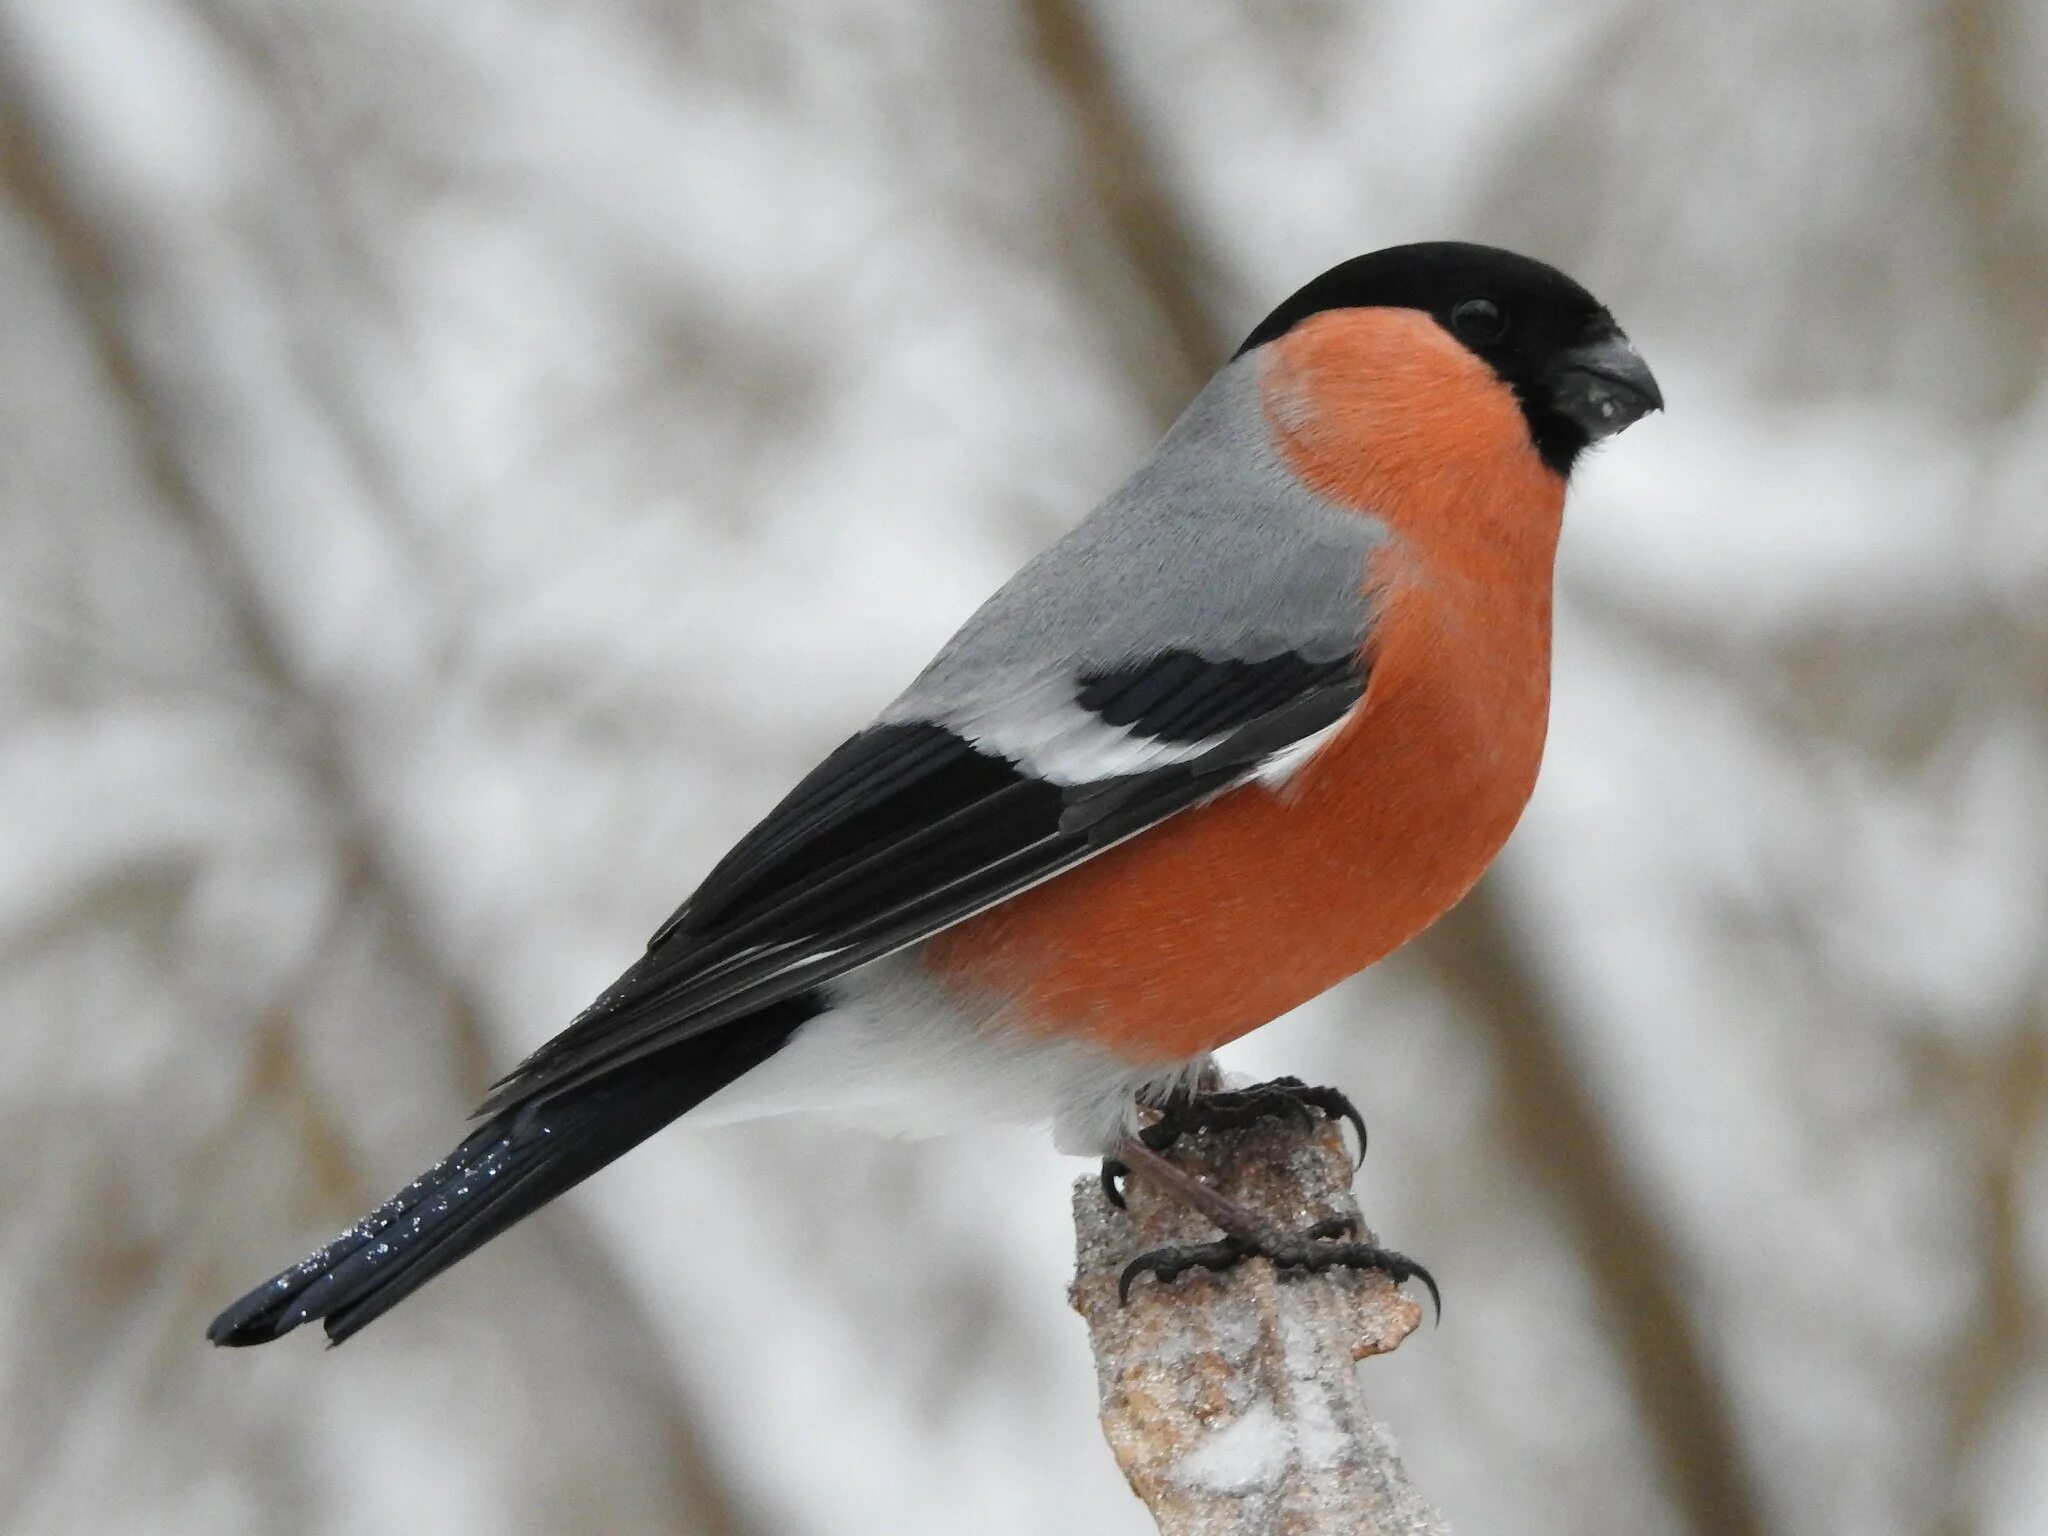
510, 1166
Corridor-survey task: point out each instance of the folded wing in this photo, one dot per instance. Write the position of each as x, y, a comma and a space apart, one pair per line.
913, 826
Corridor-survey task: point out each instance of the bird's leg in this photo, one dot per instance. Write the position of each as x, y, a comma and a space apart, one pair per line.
1247, 1235
1210, 1108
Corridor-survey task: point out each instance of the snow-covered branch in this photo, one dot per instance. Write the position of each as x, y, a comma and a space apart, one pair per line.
1232, 1401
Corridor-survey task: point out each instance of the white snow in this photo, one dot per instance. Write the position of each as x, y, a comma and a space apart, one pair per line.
1251, 1451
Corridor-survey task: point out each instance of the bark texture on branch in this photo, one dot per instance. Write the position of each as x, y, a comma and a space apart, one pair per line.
1232, 1401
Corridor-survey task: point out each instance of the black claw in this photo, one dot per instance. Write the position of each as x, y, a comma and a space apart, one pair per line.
1169, 1264
1315, 1250
1112, 1190
1436, 1297
1405, 1269
1335, 1105
1398, 1267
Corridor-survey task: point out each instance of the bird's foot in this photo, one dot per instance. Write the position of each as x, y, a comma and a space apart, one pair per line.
1326, 1245
1229, 1109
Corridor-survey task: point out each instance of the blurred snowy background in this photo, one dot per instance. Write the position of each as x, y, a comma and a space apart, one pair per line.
459, 463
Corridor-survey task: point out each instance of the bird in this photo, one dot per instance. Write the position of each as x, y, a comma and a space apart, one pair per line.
1251, 725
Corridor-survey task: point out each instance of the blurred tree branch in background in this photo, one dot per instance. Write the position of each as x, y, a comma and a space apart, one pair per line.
1166, 347
1560, 1135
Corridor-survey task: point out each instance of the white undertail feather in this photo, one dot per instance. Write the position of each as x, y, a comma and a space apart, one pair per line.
897, 1052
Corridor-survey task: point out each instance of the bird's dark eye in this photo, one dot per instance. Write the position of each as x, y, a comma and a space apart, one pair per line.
1479, 320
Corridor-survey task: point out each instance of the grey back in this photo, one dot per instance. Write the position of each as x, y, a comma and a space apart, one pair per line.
1213, 547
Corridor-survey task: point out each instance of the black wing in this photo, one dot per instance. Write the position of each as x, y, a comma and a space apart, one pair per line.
908, 829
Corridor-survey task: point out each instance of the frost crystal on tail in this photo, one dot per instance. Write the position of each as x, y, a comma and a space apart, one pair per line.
510, 1166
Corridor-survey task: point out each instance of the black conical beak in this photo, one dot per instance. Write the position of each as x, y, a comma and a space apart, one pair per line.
1603, 384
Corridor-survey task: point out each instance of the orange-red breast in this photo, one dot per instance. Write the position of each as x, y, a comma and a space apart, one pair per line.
1259, 719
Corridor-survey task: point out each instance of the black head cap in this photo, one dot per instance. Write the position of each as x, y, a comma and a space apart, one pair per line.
1577, 376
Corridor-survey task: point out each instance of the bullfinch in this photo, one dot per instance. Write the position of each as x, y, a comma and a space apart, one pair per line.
1255, 722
